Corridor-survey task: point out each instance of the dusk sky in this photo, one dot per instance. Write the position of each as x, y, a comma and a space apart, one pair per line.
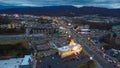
77, 3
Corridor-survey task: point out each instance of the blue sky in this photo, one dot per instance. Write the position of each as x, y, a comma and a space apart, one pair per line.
77, 3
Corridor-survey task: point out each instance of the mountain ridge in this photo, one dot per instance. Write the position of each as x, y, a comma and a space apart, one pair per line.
62, 11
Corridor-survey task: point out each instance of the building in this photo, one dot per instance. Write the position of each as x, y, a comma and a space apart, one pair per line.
11, 63
84, 31
41, 26
45, 30
116, 29
14, 25
71, 49
25, 62
42, 45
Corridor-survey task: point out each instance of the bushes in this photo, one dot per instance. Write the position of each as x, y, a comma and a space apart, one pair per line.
14, 31
14, 49
4, 20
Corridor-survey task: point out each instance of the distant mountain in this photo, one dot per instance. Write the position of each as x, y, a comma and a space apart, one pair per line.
62, 11
6, 7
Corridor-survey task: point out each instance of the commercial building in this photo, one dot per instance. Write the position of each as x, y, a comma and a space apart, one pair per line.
116, 29
11, 63
71, 49
25, 62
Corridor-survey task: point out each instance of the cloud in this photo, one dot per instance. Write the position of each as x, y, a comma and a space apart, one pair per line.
116, 5
78, 6
77, 3
15, 2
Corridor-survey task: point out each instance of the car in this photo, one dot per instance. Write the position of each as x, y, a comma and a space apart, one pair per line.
53, 58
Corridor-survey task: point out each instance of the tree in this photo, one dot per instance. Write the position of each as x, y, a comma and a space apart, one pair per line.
4, 20
114, 35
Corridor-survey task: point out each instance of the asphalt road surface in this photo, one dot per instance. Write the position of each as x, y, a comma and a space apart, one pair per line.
56, 62
22, 37
104, 63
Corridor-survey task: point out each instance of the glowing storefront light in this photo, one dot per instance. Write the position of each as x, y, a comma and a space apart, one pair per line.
72, 48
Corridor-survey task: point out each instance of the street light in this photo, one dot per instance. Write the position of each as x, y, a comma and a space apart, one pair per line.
69, 36
91, 58
69, 24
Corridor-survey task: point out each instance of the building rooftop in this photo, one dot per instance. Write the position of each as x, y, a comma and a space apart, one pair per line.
117, 26
26, 60
11, 63
65, 48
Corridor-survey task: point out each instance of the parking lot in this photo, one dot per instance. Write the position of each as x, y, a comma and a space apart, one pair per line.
55, 61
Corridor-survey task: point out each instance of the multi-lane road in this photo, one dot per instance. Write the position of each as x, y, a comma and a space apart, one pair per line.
83, 40
22, 37
100, 60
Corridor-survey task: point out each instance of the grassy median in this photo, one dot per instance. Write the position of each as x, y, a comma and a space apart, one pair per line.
85, 53
89, 64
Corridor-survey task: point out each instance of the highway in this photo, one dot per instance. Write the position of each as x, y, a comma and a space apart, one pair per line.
22, 37
83, 40
104, 63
